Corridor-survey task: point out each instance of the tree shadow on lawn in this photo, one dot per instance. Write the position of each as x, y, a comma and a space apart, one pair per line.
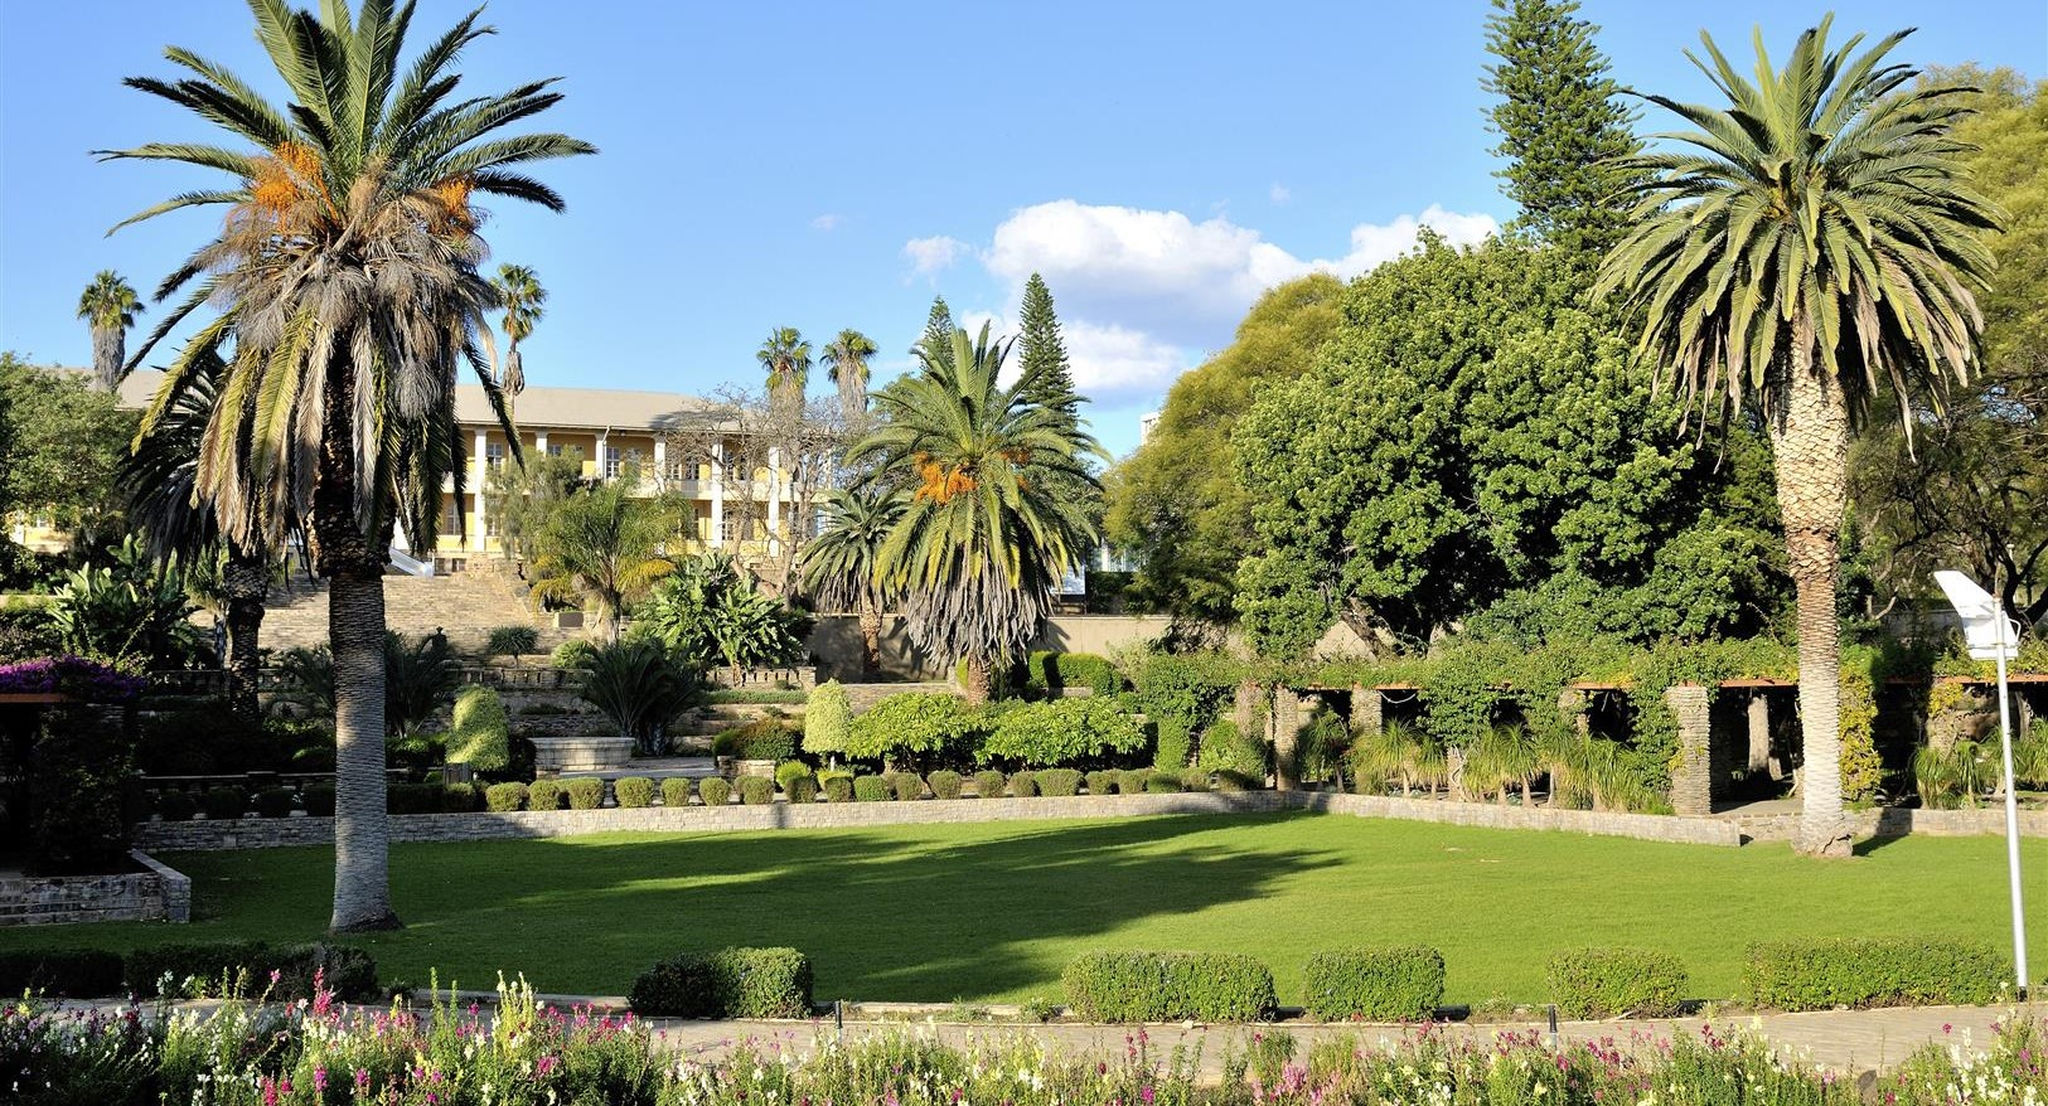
885, 916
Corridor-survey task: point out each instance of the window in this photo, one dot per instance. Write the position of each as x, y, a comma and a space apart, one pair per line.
494, 455
554, 449
612, 463
451, 516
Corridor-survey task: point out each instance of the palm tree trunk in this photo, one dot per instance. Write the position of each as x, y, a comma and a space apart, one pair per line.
870, 640
1810, 441
980, 681
247, 580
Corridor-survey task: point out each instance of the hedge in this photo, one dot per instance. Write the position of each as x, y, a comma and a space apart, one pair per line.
1375, 984
870, 789
461, 798
1824, 973
502, 797
64, 973
1610, 982
728, 983
224, 802
1169, 986
803, 789
715, 790
990, 784
545, 795
675, 791
1101, 781
1061, 782
907, 785
413, 798
349, 972
318, 799
757, 790
1131, 781
838, 789
1024, 784
633, 791
1163, 783
946, 784
585, 792
176, 806
276, 802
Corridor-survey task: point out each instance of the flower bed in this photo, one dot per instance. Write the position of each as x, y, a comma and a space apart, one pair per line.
69, 678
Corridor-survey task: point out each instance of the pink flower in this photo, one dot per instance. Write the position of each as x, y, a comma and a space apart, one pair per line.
320, 1079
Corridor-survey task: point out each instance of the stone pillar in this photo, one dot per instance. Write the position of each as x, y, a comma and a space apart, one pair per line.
1573, 702
1286, 738
1245, 709
1759, 732
660, 473
1367, 710
1692, 784
478, 470
775, 502
717, 494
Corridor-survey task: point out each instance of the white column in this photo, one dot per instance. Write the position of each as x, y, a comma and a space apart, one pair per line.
660, 462
604, 461
774, 502
717, 494
478, 469
540, 443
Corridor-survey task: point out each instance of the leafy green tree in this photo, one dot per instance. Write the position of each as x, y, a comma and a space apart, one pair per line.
843, 567
61, 444
1561, 124
1813, 245
846, 362
601, 548
521, 496
525, 302
1178, 503
1473, 441
786, 358
1042, 350
109, 306
985, 538
709, 611
936, 344
347, 265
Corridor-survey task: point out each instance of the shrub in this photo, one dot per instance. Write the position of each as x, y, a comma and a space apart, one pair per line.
224, 802
350, 972
1162, 783
908, 786
870, 789
1131, 781
478, 735
318, 799
512, 641
1061, 782
803, 789
1169, 986
585, 792
633, 791
545, 795
1101, 782
838, 789
1226, 749
946, 784
1821, 974
1175, 744
990, 784
773, 736
460, 798
729, 983
67, 973
573, 655
1609, 982
915, 723
1062, 731
176, 806
413, 798
1194, 779
1383, 984
790, 770
1024, 784
641, 689
502, 797
675, 791
756, 790
828, 718
715, 790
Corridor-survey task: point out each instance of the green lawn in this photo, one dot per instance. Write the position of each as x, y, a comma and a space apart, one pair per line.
992, 911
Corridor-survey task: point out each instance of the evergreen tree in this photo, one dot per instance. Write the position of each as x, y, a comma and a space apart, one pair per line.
1044, 350
937, 341
1560, 124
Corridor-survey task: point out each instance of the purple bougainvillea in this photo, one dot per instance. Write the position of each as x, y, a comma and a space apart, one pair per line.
76, 677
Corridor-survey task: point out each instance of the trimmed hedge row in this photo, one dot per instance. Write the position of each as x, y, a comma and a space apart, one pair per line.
1611, 982
1821, 974
95, 973
1169, 986
728, 983
1374, 984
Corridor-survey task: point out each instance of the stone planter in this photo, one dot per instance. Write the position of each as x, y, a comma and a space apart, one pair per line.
580, 754
762, 768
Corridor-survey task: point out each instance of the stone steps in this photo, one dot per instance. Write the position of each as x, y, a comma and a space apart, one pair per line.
465, 605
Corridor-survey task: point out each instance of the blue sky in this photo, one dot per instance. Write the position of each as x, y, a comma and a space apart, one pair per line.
828, 165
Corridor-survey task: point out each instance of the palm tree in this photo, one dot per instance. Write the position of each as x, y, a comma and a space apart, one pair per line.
1818, 245
786, 358
347, 267
602, 548
520, 291
843, 566
109, 306
158, 477
846, 361
983, 541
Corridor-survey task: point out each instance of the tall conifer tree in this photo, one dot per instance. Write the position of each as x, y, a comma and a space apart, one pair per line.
937, 341
1043, 348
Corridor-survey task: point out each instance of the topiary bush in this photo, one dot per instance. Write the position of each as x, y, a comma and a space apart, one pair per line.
1024, 784
803, 789
756, 790
838, 789
1169, 986
1131, 781
990, 784
224, 802
906, 786
633, 791
728, 983
1374, 984
413, 798
914, 724
1162, 783
871, 789
790, 770
675, 791
275, 802
62, 973
1060, 782
461, 798
478, 734
715, 791
946, 784
1194, 779
1611, 982
1823, 973
176, 806
318, 799
585, 792
546, 795
1101, 782
828, 718
1062, 731
503, 797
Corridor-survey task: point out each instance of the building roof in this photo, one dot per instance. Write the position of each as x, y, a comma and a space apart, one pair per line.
538, 408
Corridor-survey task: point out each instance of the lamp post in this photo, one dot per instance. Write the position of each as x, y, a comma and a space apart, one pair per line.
1990, 635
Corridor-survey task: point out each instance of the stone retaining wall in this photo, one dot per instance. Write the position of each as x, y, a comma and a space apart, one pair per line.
257, 833
1897, 822
153, 895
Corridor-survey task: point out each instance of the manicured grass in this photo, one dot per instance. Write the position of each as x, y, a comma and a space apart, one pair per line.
992, 912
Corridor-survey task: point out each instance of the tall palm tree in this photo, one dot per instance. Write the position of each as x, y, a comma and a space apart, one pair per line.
984, 540
846, 361
602, 548
1815, 247
519, 290
786, 358
347, 267
843, 566
159, 477
109, 306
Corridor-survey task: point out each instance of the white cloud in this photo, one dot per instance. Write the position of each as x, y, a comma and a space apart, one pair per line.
828, 222
1109, 362
934, 254
1279, 193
